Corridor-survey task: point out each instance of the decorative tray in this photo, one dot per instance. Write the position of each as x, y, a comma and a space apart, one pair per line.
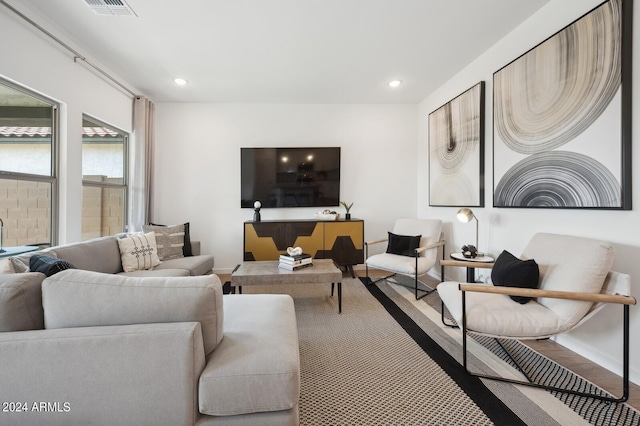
327, 216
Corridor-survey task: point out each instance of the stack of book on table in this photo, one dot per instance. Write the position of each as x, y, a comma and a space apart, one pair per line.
293, 263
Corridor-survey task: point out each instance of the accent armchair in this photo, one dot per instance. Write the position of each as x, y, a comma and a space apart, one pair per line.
416, 259
575, 283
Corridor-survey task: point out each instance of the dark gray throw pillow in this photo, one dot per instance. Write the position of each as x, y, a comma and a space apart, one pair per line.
403, 245
509, 271
186, 249
48, 265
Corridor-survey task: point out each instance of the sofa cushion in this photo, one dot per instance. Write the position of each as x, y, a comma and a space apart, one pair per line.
157, 273
138, 252
196, 265
6, 266
169, 240
256, 368
76, 298
186, 249
99, 255
509, 271
498, 316
21, 302
48, 265
20, 263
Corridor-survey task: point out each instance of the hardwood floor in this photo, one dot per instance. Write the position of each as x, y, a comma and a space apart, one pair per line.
580, 365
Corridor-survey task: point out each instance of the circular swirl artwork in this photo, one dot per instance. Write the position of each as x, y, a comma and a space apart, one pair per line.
455, 137
455, 150
554, 92
558, 179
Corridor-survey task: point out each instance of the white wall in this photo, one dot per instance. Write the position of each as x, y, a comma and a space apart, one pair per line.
33, 60
197, 157
510, 229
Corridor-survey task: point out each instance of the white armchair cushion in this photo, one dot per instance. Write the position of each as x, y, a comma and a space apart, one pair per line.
399, 264
499, 316
569, 263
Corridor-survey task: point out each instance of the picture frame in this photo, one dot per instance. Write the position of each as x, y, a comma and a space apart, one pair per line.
456, 150
562, 117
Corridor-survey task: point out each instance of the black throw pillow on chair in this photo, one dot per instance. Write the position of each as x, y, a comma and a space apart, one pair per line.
404, 245
509, 271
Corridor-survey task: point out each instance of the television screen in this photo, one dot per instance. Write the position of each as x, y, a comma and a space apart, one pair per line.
290, 177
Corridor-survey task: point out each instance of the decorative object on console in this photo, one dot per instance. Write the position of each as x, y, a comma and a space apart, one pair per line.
256, 211
347, 207
547, 150
1, 231
456, 151
327, 214
466, 215
138, 252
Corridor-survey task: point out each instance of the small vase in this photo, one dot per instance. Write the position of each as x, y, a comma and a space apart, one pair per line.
347, 216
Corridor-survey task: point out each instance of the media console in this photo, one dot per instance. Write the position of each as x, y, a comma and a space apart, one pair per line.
339, 240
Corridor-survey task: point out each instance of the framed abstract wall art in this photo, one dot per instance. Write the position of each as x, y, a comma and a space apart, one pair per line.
562, 117
456, 151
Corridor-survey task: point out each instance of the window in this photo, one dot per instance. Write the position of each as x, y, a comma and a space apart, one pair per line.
104, 179
28, 167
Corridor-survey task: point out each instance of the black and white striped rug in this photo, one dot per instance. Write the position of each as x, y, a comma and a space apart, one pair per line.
537, 366
382, 362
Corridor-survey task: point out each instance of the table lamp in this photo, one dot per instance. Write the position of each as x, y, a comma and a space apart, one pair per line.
465, 215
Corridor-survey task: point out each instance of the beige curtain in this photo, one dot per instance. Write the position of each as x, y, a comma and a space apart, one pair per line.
141, 160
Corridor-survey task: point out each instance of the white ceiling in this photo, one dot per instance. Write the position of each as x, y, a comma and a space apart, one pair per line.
284, 51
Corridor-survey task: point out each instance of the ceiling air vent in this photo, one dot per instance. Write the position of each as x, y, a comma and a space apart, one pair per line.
110, 7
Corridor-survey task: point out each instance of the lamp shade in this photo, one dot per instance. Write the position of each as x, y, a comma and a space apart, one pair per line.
465, 215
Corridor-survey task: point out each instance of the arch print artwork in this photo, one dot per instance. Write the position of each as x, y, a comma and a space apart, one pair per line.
562, 117
456, 151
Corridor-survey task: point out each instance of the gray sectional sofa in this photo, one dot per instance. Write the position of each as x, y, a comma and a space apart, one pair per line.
103, 255
84, 347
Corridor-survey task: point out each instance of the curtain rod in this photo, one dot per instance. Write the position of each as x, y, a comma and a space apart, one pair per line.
76, 54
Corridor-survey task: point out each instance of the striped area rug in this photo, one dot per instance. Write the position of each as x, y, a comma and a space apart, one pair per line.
539, 367
383, 362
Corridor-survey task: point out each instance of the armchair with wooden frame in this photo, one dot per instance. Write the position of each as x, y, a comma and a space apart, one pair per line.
575, 283
415, 263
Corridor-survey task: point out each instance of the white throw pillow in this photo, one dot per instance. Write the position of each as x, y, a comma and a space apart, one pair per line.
138, 252
6, 267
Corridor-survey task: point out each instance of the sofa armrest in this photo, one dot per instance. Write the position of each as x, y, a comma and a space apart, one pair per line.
195, 247
135, 374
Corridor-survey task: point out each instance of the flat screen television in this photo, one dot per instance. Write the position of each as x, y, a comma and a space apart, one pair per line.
290, 177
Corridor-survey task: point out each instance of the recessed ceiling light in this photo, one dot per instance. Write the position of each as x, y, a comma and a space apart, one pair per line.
180, 81
395, 83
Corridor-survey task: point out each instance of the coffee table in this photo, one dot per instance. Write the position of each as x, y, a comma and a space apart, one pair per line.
267, 272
